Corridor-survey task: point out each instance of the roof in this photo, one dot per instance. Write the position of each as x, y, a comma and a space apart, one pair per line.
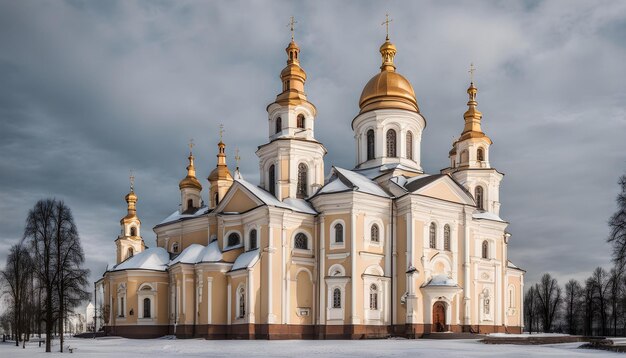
299, 205
442, 280
246, 260
177, 215
513, 266
413, 184
380, 170
151, 259
196, 253
346, 180
487, 216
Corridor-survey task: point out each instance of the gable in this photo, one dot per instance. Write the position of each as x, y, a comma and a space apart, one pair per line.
445, 189
239, 201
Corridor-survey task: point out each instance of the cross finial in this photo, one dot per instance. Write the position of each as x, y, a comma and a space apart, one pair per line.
132, 181
386, 23
191, 145
237, 157
221, 131
471, 72
292, 25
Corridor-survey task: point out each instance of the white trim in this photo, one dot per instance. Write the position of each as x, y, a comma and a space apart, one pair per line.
334, 244
225, 240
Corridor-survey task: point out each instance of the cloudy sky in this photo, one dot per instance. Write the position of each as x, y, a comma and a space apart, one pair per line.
89, 90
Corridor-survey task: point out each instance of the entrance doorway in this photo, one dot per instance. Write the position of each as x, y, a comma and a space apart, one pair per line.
439, 317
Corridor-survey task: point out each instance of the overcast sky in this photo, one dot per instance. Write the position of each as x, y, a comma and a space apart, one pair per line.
89, 90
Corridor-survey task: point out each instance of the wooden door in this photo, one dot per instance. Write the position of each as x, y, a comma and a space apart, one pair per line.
439, 317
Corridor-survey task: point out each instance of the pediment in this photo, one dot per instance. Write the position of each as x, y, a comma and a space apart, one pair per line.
238, 200
445, 188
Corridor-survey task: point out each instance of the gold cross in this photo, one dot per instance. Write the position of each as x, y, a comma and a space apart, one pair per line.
237, 157
221, 131
291, 25
132, 181
386, 23
471, 72
191, 145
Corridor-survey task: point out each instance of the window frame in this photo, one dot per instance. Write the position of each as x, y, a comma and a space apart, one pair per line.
302, 190
256, 239
308, 242
278, 125
370, 144
391, 141
225, 240
484, 250
447, 238
432, 235
479, 196
409, 145
334, 244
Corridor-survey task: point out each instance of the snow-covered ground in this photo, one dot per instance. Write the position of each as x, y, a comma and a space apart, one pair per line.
155, 348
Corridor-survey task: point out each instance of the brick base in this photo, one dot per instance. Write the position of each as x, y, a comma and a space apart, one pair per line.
291, 331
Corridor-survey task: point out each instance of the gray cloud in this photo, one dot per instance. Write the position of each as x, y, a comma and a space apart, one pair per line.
92, 89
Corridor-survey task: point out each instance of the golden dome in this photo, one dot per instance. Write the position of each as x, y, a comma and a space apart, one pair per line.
221, 171
388, 89
131, 197
190, 181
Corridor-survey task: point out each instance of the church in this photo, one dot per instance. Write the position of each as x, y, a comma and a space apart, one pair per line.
382, 249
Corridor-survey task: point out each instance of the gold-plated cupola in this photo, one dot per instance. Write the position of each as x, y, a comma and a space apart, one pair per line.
190, 181
472, 117
388, 89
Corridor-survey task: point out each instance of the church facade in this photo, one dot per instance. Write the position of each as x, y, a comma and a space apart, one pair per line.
381, 249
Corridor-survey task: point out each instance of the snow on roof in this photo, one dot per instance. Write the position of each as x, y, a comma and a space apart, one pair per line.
441, 280
375, 172
334, 186
246, 260
487, 215
211, 253
196, 253
361, 182
176, 215
300, 205
189, 255
151, 259
269, 199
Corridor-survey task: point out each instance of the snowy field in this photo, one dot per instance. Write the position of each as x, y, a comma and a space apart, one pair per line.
155, 348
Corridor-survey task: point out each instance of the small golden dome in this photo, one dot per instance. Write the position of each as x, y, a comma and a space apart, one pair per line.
220, 173
388, 89
190, 181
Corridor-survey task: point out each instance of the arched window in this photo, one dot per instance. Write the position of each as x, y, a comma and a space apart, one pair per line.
253, 243
433, 236
146, 308
234, 239
478, 195
175, 247
302, 181
374, 233
122, 307
216, 198
279, 125
373, 297
485, 249
242, 302
391, 143
301, 242
464, 157
272, 180
300, 121
189, 203
133, 231
336, 298
480, 154
409, 145
130, 252
370, 144
446, 237
338, 233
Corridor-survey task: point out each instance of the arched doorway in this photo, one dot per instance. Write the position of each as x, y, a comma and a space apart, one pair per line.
439, 317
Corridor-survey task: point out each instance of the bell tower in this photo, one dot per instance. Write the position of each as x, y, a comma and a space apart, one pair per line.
292, 162
220, 178
469, 158
129, 242
190, 187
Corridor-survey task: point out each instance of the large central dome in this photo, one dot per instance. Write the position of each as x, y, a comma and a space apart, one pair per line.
388, 89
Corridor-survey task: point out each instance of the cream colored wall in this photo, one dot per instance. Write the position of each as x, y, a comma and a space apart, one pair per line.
240, 202
513, 316
442, 191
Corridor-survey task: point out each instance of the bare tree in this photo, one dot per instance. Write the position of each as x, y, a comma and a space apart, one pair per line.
600, 283
617, 224
530, 308
549, 297
573, 302
55, 246
16, 279
615, 293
